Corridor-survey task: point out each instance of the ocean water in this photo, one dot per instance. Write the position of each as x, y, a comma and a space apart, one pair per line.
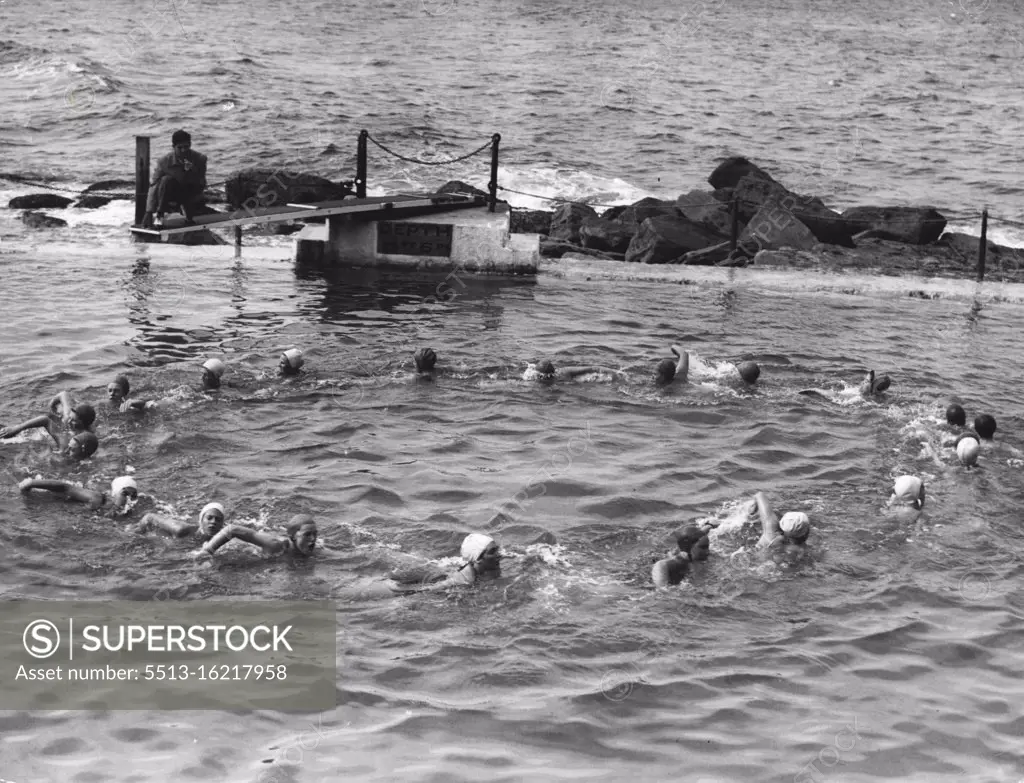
891, 653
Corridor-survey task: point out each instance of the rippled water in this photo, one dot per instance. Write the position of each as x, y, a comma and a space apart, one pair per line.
892, 653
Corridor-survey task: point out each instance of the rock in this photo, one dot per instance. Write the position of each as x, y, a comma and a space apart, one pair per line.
41, 220
556, 248
531, 221
774, 227
635, 214
664, 238
92, 202
913, 225
111, 184
566, 222
827, 225
730, 171
39, 201
966, 247
789, 257
702, 207
204, 237
708, 256
607, 235
254, 188
284, 229
458, 186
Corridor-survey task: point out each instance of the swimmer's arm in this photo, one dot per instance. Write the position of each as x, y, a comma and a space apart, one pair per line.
269, 542
769, 522
63, 406
165, 525
70, 491
38, 421
137, 405
683, 365
568, 373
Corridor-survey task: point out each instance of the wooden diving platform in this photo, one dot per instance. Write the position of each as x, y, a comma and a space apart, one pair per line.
374, 208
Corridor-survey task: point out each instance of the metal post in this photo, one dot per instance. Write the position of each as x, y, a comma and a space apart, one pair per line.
141, 177
982, 246
238, 241
493, 184
735, 231
361, 165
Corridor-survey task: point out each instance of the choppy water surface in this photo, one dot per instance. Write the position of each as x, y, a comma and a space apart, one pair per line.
892, 653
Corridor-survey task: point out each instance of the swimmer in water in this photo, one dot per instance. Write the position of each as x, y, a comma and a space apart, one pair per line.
425, 360
291, 362
75, 446
481, 561
985, 426
62, 414
692, 546
749, 372
209, 522
299, 538
117, 392
968, 446
123, 492
791, 530
907, 492
546, 372
956, 416
872, 386
213, 369
669, 370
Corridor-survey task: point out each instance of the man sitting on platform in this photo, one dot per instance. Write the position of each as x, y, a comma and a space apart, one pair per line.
179, 180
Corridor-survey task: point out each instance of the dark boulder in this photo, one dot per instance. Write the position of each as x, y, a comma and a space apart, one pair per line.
607, 235
774, 227
254, 188
458, 186
752, 193
530, 221
39, 201
41, 220
92, 202
662, 239
702, 207
912, 225
566, 222
635, 214
111, 184
730, 171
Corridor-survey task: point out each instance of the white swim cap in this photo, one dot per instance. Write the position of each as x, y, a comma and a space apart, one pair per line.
967, 450
474, 546
122, 483
908, 490
212, 507
216, 366
795, 523
294, 357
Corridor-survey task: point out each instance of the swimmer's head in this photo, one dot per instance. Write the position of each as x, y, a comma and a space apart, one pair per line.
908, 491
123, 489
291, 361
546, 370
82, 445
82, 416
666, 371
875, 384
670, 571
694, 542
985, 425
481, 551
749, 371
211, 519
956, 415
967, 449
425, 359
795, 526
118, 389
302, 532
212, 370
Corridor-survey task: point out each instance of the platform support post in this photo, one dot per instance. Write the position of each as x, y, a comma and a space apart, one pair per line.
492, 186
141, 177
361, 164
983, 244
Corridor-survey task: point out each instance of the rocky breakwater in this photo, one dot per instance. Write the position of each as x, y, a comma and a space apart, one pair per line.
773, 226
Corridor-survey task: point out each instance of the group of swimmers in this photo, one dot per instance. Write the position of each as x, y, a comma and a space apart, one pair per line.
69, 424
